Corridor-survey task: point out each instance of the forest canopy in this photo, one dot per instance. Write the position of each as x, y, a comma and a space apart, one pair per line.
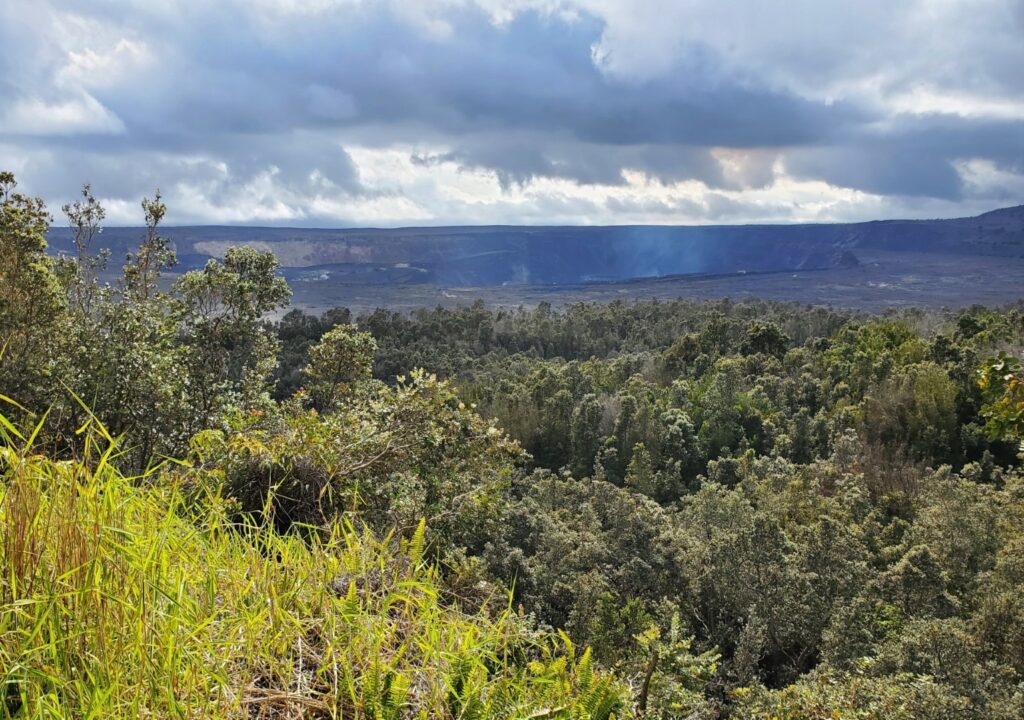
669, 509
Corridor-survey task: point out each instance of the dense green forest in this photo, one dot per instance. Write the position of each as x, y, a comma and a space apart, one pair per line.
633, 510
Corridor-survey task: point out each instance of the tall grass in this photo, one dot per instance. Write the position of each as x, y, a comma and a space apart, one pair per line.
119, 598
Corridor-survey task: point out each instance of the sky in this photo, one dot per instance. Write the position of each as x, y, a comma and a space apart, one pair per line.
339, 113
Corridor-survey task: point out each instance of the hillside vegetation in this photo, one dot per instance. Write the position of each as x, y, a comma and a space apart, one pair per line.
125, 599
631, 510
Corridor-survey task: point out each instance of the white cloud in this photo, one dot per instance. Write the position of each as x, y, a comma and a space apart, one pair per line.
923, 100
103, 67
985, 180
81, 113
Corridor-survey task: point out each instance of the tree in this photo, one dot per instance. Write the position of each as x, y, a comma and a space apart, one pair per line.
683, 351
915, 409
765, 338
85, 219
680, 451
142, 272
721, 427
342, 359
297, 332
387, 457
640, 474
1002, 383
230, 352
585, 434
123, 354
32, 306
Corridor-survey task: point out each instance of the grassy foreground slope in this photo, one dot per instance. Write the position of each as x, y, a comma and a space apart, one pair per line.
121, 598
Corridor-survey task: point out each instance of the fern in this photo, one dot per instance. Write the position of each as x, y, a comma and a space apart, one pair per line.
417, 544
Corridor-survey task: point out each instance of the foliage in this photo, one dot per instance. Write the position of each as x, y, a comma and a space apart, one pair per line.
744, 509
393, 456
31, 304
342, 358
1002, 381
125, 601
827, 696
158, 366
230, 353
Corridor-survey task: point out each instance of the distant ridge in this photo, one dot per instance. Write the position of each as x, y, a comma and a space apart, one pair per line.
557, 255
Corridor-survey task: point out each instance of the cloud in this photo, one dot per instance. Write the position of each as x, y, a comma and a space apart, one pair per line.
75, 115
383, 112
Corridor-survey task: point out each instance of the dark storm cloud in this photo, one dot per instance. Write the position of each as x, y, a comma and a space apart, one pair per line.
299, 162
914, 156
518, 158
369, 67
220, 95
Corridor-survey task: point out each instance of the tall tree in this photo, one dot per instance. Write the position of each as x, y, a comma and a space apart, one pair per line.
85, 219
32, 305
341, 360
231, 353
142, 272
